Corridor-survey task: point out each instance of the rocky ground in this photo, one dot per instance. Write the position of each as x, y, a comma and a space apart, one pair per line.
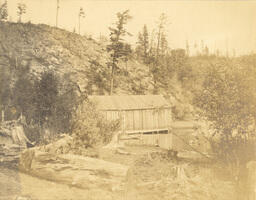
152, 175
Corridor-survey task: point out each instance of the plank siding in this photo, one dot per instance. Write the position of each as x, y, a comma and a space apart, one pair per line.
135, 120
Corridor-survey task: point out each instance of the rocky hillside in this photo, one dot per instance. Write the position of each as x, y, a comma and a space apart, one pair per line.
75, 59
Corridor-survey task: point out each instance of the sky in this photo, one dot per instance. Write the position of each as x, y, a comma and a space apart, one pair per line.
223, 25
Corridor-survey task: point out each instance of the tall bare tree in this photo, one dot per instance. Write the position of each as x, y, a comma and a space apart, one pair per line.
162, 22
80, 14
57, 12
160, 49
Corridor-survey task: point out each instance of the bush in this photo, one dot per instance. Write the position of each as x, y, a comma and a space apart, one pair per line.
227, 101
90, 128
181, 111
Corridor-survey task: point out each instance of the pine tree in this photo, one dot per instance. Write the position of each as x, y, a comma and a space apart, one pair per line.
80, 14
161, 26
4, 11
143, 44
116, 47
46, 96
161, 47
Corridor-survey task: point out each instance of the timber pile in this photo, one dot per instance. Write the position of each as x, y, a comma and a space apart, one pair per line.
74, 170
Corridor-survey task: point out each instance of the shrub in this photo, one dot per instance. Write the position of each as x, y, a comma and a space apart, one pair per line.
89, 127
227, 101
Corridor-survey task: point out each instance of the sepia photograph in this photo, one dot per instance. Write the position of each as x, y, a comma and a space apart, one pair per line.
127, 99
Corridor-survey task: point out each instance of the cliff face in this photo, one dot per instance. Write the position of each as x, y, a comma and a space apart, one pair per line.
74, 58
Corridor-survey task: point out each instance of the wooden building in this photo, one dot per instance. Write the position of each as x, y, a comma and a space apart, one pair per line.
138, 113
147, 117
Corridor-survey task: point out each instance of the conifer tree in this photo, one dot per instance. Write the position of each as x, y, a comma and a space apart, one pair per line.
116, 46
143, 44
161, 48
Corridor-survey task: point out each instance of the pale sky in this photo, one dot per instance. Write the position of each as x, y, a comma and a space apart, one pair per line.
220, 24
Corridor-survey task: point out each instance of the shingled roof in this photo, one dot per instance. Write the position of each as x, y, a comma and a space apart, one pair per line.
129, 102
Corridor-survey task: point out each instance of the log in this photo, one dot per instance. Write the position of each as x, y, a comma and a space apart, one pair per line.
74, 170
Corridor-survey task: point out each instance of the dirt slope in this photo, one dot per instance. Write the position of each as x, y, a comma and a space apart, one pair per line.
73, 57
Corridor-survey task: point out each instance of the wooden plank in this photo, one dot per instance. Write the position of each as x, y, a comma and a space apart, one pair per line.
133, 120
146, 131
151, 119
123, 121
141, 120
137, 119
130, 109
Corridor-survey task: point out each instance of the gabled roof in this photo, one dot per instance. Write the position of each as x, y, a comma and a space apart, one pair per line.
129, 102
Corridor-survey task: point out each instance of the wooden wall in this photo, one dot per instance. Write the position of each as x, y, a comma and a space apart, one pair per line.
145, 119
162, 140
177, 137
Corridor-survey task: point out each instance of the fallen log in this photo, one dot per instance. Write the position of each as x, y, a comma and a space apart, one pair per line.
74, 170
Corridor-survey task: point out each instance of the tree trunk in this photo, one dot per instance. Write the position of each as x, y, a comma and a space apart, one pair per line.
74, 170
79, 24
112, 80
